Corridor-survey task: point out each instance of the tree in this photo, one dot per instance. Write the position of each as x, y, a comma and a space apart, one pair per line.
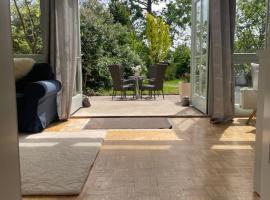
138, 9
250, 26
25, 24
158, 38
120, 12
104, 42
144, 4
249, 32
177, 14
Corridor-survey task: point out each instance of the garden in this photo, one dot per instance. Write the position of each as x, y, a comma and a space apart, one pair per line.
137, 33
132, 34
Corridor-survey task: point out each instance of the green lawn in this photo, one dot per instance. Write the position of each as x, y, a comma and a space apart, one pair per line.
170, 87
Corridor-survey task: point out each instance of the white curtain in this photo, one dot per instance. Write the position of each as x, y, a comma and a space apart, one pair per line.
59, 20
222, 21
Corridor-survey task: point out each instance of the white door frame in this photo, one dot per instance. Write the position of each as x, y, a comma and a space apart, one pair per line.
199, 102
77, 99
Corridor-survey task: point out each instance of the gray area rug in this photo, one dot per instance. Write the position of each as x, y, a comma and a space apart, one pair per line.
128, 123
57, 163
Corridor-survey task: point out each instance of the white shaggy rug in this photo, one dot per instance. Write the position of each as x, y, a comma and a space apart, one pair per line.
57, 163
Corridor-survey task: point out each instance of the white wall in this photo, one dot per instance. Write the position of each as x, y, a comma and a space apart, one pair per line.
9, 157
262, 155
259, 125
263, 151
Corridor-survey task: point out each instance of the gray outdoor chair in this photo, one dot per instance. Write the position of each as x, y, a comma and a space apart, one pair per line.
151, 73
155, 81
119, 83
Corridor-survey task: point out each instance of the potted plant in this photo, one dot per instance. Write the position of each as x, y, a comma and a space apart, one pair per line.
185, 90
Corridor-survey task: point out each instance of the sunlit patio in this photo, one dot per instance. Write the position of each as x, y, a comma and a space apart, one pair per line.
104, 106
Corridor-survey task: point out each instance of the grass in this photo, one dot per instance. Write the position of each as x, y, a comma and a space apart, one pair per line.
171, 87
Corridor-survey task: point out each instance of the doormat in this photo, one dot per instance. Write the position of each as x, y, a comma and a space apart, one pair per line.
129, 123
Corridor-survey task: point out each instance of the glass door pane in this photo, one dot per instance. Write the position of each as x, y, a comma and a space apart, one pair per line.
199, 69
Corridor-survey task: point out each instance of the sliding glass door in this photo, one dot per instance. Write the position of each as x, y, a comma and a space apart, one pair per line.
199, 65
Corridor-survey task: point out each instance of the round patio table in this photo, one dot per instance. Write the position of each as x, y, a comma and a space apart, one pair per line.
137, 80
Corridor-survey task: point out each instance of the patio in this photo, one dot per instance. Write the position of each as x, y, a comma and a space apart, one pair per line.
103, 106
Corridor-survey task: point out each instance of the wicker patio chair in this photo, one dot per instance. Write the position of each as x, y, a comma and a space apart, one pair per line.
155, 81
119, 83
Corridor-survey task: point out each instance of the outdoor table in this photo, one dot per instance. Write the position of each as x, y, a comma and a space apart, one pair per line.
137, 80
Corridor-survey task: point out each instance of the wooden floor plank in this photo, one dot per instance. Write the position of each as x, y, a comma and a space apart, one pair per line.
194, 161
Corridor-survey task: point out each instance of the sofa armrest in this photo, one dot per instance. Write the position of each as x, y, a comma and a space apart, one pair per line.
40, 89
50, 86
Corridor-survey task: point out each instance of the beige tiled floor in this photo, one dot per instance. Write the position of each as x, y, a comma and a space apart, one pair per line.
195, 161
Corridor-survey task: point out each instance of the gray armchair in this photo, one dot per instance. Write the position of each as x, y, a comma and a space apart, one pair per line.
156, 80
36, 99
119, 83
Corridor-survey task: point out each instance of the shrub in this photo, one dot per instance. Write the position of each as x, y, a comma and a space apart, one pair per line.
103, 42
171, 72
181, 59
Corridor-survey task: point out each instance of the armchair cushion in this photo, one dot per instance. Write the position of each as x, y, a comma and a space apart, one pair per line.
22, 66
149, 80
127, 81
147, 87
128, 86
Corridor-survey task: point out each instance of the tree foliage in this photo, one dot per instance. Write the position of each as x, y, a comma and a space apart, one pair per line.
179, 67
178, 14
104, 42
121, 31
249, 33
181, 58
158, 38
120, 12
250, 25
25, 26
144, 5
